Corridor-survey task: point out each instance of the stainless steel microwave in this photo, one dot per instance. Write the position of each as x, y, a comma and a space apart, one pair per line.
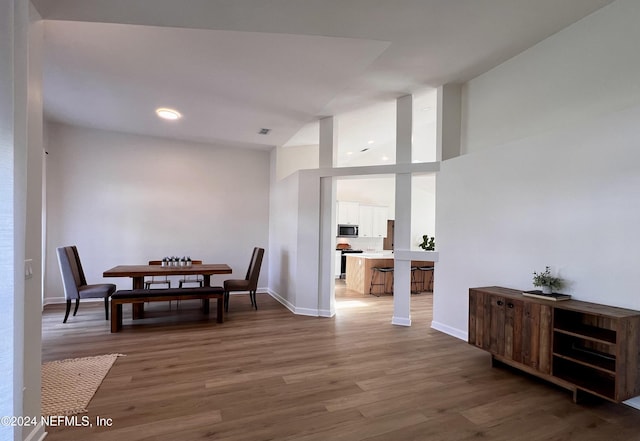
347, 230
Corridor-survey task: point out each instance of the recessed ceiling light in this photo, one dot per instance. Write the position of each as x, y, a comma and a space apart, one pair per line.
370, 141
385, 158
166, 113
349, 153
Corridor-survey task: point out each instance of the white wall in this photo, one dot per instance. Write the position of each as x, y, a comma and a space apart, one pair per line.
33, 240
565, 193
291, 159
423, 208
13, 167
20, 225
126, 199
283, 227
586, 70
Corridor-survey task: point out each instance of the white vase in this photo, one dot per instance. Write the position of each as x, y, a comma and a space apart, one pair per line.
546, 290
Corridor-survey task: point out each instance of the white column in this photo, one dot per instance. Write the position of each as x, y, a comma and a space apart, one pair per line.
449, 121
402, 238
327, 159
328, 149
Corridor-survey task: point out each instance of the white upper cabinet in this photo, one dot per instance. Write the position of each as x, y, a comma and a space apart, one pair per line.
348, 213
373, 221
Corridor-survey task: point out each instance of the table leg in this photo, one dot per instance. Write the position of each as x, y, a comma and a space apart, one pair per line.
137, 309
206, 280
205, 306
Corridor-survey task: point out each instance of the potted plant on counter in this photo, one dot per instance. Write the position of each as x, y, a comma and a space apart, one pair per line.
428, 244
546, 281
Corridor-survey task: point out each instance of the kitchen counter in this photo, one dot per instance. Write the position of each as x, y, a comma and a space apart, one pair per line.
376, 255
360, 268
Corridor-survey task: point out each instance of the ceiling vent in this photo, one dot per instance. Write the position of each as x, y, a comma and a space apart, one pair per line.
264, 131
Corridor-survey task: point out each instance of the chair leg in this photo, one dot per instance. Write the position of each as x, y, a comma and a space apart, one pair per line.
76, 308
226, 301
66, 314
253, 299
106, 308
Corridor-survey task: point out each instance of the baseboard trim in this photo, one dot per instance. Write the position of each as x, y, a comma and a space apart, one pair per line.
633, 402
401, 321
310, 312
454, 332
326, 313
284, 302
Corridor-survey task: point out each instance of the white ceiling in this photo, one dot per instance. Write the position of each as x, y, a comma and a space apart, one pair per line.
233, 67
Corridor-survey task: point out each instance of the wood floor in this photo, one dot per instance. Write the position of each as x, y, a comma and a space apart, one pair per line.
271, 375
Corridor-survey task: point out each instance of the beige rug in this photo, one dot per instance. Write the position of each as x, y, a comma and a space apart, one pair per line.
69, 385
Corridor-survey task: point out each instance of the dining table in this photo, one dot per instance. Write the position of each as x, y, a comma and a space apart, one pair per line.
137, 273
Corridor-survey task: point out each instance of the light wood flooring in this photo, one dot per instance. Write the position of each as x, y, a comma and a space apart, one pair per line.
271, 375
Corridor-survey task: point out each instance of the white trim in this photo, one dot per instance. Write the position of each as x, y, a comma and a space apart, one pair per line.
282, 300
633, 402
415, 255
37, 434
400, 321
307, 311
326, 313
301, 311
62, 300
454, 332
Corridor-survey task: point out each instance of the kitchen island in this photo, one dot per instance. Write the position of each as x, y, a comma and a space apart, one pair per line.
360, 268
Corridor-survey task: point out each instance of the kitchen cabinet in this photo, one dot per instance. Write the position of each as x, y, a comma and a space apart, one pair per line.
583, 347
348, 213
373, 221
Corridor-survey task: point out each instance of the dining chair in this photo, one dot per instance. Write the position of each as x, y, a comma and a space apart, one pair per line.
249, 283
75, 284
192, 278
157, 280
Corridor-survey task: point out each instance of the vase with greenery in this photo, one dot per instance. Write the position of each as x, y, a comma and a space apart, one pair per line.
546, 281
428, 244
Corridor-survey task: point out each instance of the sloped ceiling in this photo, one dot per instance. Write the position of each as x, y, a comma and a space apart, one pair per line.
232, 67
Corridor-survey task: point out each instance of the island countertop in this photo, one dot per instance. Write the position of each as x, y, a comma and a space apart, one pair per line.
360, 269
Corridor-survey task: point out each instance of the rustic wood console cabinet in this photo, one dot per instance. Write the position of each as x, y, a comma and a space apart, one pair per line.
583, 347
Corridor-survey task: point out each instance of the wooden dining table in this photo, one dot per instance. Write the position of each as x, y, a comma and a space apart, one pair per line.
138, 272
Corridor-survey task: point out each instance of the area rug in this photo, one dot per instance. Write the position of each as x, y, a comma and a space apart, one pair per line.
69, 385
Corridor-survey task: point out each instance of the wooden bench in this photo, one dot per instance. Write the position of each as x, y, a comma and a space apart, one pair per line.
137, 297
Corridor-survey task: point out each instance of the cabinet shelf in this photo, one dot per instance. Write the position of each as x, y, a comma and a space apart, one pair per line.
592, 333
590, 361
585, 351
590, 380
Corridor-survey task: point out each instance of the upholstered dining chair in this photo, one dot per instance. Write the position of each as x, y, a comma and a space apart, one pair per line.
75, 283
249, 283
157, 280
191, 278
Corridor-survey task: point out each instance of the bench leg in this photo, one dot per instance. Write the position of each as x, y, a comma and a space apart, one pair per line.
205, 306
116, 316
220, 310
